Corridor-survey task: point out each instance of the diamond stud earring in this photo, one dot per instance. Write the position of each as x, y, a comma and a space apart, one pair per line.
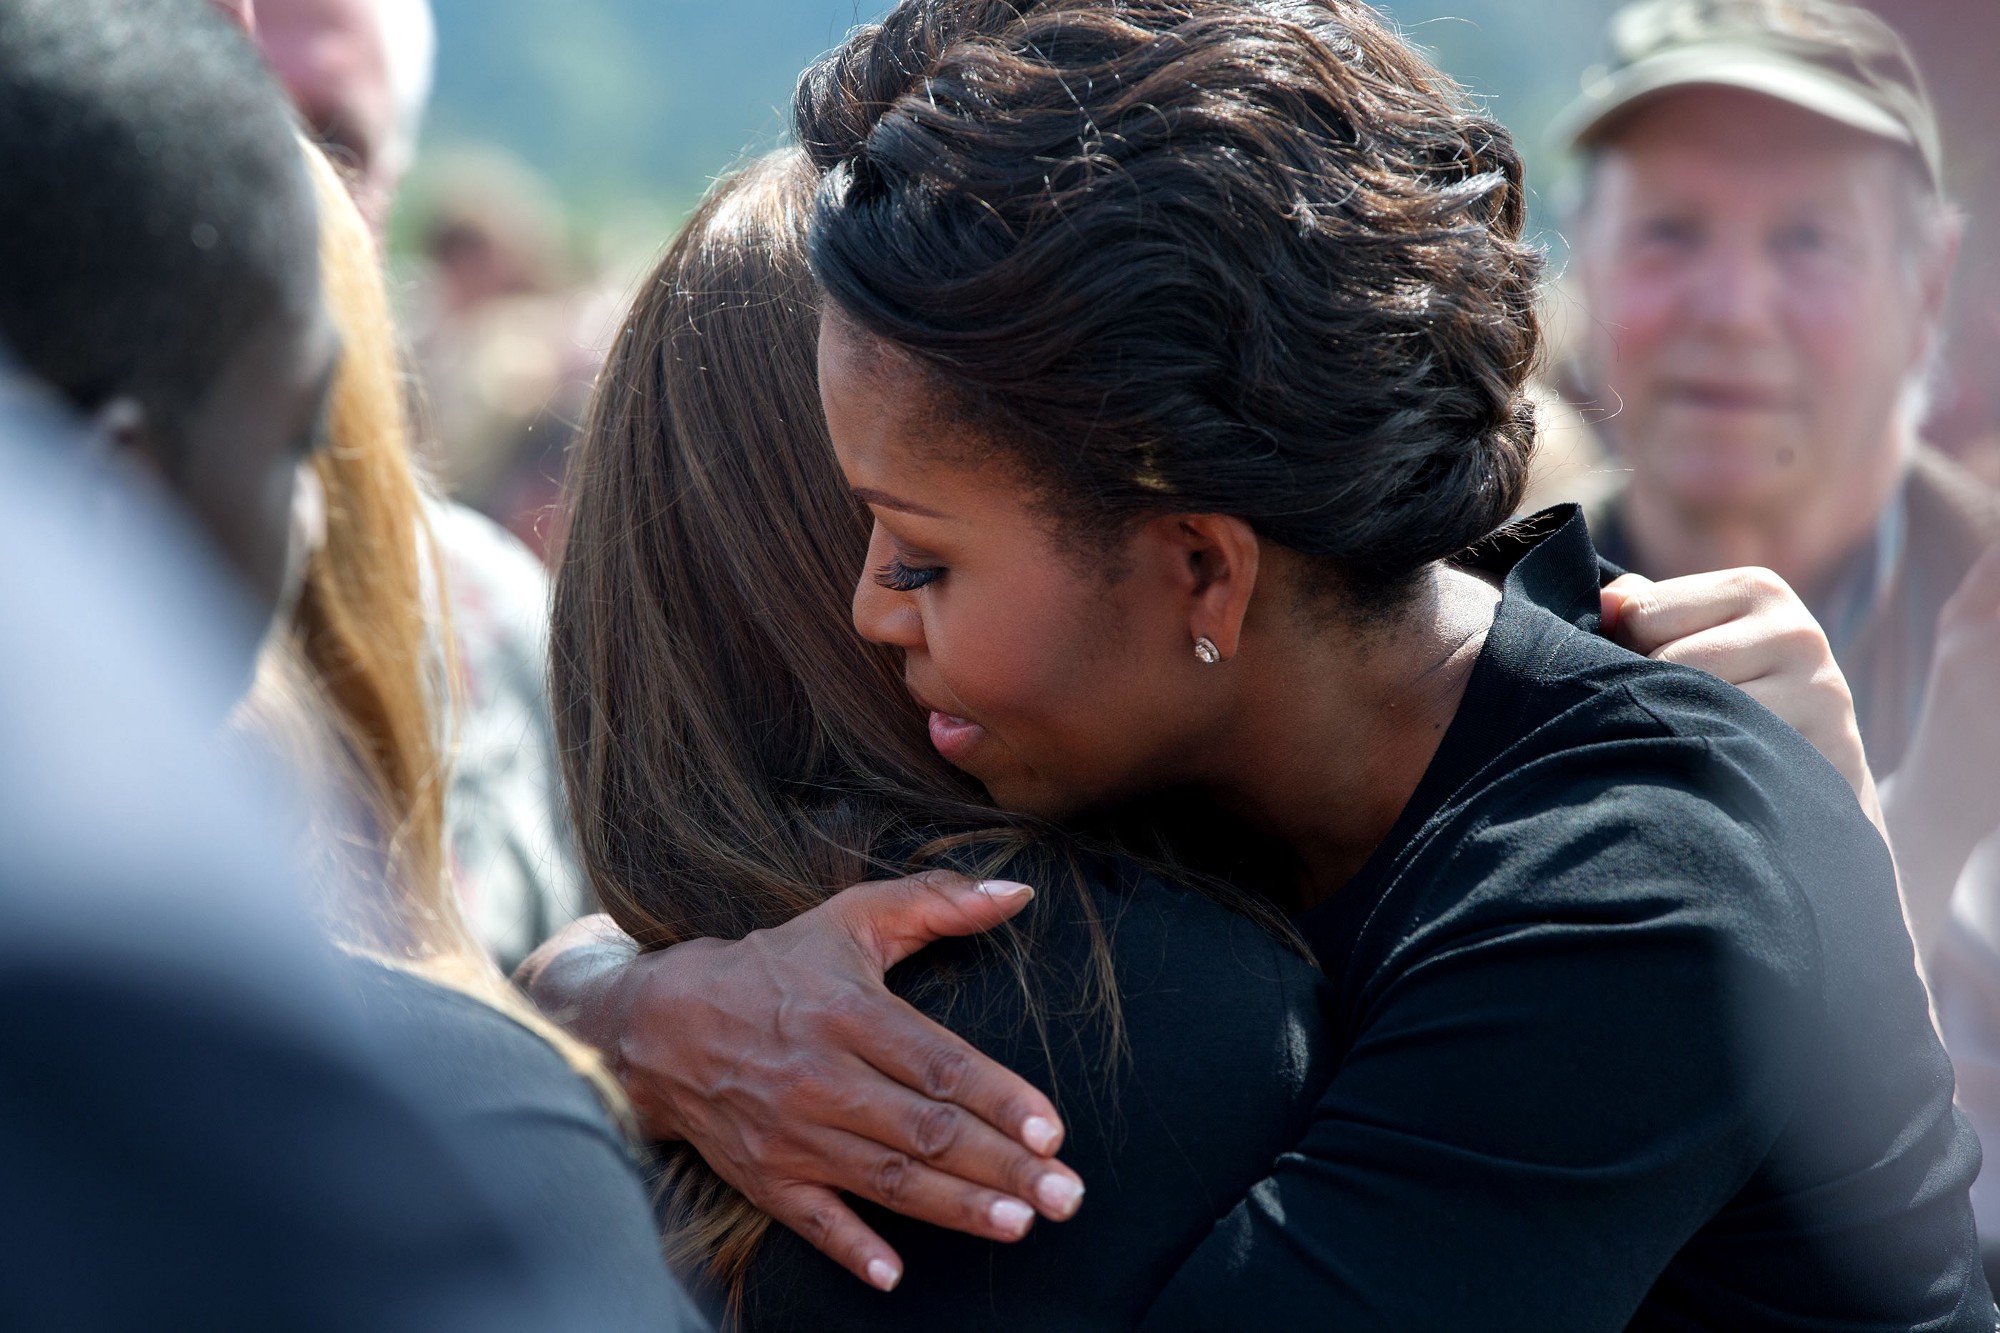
1206, 651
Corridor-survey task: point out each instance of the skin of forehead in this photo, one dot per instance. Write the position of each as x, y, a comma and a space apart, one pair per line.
333, 51
1736, 128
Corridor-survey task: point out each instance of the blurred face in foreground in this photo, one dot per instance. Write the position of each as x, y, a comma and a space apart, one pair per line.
1756, 305
238, 460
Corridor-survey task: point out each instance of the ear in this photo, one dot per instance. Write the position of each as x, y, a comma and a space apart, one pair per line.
121, 432
1216, 559
1934, 281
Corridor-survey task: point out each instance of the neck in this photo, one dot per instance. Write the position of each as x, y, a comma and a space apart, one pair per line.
1328, 741
1803, 540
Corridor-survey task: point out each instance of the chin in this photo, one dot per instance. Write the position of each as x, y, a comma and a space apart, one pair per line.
1021, 794
1725, 478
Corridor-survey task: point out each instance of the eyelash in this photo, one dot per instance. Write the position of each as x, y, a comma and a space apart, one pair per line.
899, 577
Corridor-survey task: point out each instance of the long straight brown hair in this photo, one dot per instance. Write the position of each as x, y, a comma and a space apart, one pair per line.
368, 653
733, 753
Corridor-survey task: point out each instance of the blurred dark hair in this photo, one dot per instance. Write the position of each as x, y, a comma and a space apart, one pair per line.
152, 194
1223, 256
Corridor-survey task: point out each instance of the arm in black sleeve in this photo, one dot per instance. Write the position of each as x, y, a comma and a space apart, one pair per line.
1576, 1029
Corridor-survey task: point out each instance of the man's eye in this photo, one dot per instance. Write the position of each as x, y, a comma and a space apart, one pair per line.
1673, 233
1803, 238
899, 577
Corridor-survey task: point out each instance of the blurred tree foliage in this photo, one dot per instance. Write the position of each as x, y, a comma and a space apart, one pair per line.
622, 100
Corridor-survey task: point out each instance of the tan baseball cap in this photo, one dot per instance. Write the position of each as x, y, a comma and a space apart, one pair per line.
1827, 56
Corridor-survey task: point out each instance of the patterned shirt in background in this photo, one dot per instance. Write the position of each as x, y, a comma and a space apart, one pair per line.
507, 839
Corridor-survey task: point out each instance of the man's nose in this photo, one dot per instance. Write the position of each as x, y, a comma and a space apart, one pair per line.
1734, 290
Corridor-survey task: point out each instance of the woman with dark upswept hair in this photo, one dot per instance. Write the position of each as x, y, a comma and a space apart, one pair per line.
734, 757
1178, 351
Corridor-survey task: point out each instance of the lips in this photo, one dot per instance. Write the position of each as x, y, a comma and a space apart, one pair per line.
1723, 396
954, 737
951, 735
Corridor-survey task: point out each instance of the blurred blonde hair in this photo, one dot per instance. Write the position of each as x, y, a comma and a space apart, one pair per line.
364, 682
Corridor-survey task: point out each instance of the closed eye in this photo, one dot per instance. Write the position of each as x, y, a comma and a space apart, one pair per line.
899, 577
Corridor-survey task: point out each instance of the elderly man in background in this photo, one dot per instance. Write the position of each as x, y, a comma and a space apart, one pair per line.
1764, 249
359, 72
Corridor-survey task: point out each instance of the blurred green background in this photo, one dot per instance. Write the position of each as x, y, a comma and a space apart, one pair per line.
630, 107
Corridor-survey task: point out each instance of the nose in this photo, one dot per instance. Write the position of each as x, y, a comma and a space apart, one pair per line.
883, 615
1734, 290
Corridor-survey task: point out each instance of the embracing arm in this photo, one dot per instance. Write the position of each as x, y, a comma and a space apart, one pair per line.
1944, 800
787, 1063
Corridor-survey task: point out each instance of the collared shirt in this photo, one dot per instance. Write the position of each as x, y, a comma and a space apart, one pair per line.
1880, 606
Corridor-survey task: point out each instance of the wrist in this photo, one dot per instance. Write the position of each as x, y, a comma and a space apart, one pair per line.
642, 1002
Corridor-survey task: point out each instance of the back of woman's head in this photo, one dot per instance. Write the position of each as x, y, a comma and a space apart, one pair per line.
1252, 257
730, 747
732, 752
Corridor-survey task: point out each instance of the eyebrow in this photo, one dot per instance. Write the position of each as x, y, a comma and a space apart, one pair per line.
883, 500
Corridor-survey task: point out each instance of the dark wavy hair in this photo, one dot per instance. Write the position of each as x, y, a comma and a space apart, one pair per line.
732, 752
1221, 256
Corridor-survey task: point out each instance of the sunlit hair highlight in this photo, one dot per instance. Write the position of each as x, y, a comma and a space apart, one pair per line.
365, 673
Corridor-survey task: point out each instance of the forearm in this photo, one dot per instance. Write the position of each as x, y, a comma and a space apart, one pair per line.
575, 977
1932, 848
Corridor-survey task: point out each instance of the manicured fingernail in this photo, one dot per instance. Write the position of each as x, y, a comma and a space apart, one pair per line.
1059, 1194
882, 1275
1039, 1134
1006, 890
1010, 1216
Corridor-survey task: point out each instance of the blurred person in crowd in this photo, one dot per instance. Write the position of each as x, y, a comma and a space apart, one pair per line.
290, 1168
1953, 43
360, 71
152, 172
1965, 964
691, 1021
196, 1130
507, 340
1764, 252
362, 711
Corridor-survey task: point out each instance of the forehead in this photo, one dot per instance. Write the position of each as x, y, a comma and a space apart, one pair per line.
866, 381
1754, 148
331, 51
888, 415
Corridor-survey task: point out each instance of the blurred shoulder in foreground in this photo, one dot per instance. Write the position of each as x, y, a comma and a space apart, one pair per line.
192, 1118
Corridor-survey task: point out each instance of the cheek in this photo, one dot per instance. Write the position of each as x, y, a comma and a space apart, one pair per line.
1023, 650
1630, 315
247, 505
1846, 332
